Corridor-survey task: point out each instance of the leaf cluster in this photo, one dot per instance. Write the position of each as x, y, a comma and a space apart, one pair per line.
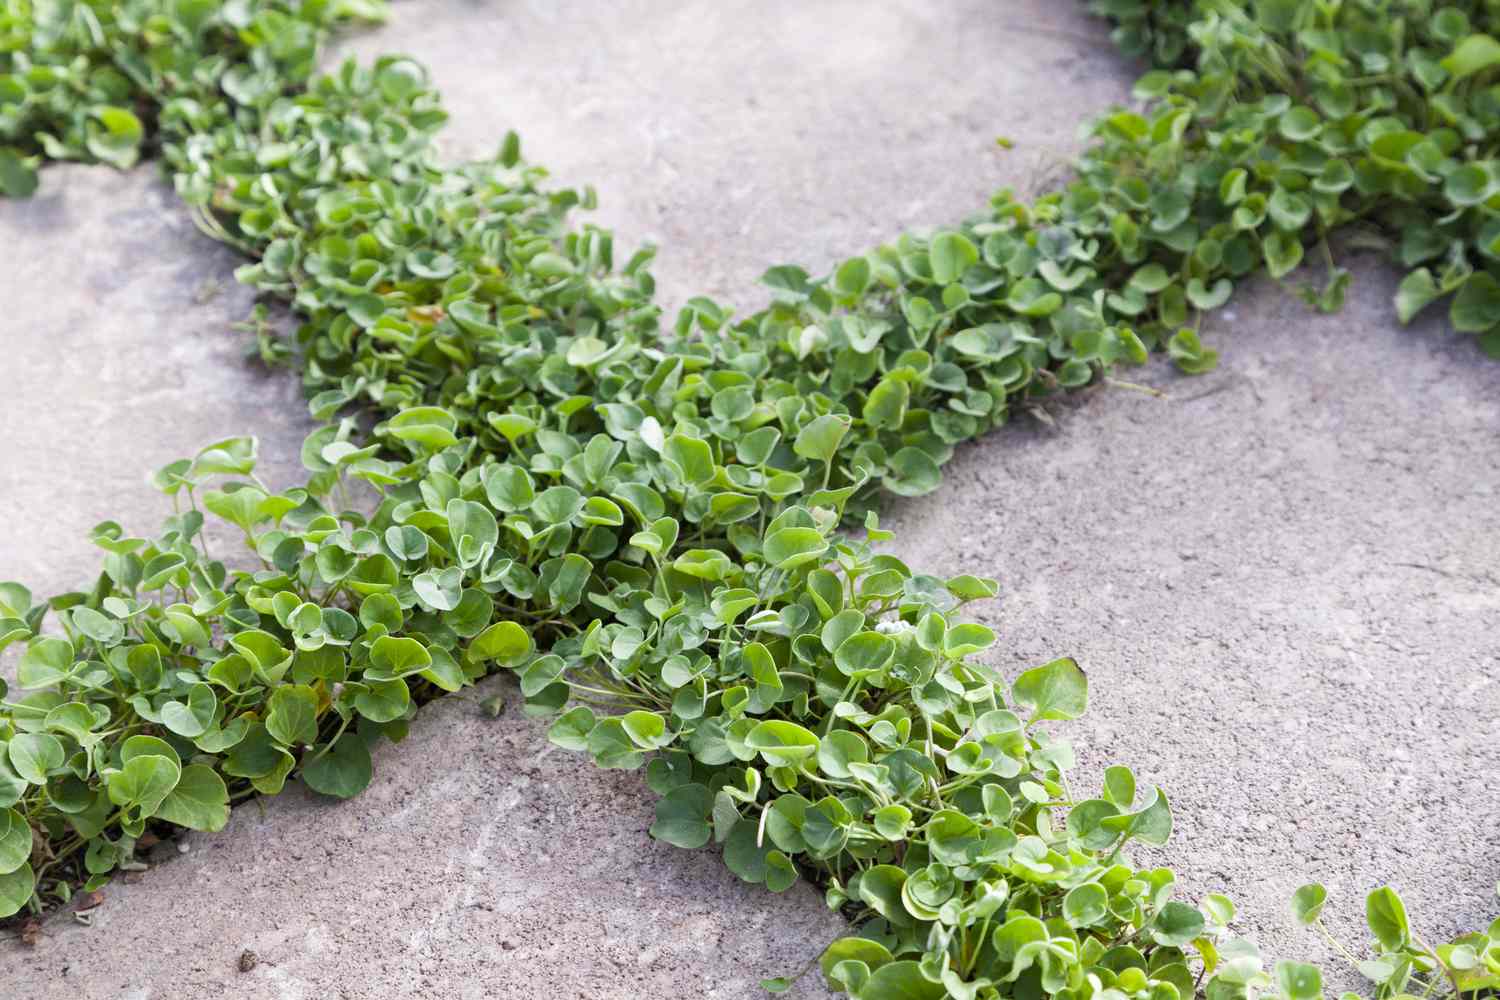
1403, 964
84, 79
522, 469
1286, 120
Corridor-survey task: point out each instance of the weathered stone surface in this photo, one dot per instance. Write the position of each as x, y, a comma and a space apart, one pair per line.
1283, 585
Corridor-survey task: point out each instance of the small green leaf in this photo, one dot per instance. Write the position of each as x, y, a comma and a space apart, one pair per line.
950, 255
1417, 291
143, 782
819, 439
1307, 903
902, 980
195, 716
342, 771
115, 135
34, 755
292, 715
792, 547
506, 642
1386, 915
1176, 924
647, 730
1151, 824
1056, 690
396, 656
1476, 307
684, 816
17, 178
692, 458
16, 889
1085, 905
15, 841
852, 276
863, 653
886, 404
782, 744
854, 949
199, 800
45, 662
1299, 981
1472, 55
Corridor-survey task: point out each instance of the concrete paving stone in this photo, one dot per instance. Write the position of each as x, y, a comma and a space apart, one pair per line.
746, 133
1282, 580
117, 356
1284, 584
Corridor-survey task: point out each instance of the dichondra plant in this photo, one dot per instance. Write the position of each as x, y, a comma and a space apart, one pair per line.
522, 470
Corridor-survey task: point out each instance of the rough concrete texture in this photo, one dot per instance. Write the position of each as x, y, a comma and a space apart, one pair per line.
482, 863
1283, 584
742, 134
1281, 581
116, 357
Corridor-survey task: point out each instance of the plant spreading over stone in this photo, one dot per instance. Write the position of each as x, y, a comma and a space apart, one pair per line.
643, 524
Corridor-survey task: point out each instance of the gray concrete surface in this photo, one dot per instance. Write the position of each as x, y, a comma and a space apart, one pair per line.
1284, 584
741, 134
116, 357
1281, 581
483, 863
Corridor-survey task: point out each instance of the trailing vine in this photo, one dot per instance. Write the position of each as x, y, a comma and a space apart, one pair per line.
522, 470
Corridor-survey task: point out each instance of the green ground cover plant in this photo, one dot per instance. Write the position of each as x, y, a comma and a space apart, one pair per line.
524, 469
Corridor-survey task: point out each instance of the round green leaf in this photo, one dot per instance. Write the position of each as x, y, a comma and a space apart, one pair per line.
912, 473
684, 816
194, 717
46, 661
819, 439
854, 949
1386, 915
1057, 690
782, 744
1085, 905
864, 652
143, 782
647, 730
292, 714
880, 889
901, 980
506, 642
342, 771
1177, 924
383, 701
16, 888
34, 754
789, 548
950, 255
1299, 981
15, 841
397, 656
199, 800
1307, 903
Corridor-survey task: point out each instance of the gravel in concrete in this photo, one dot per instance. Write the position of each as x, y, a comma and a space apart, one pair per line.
1281, 581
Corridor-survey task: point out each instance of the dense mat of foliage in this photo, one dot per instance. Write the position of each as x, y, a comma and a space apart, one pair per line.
1299, 117
642, 524
85, 79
